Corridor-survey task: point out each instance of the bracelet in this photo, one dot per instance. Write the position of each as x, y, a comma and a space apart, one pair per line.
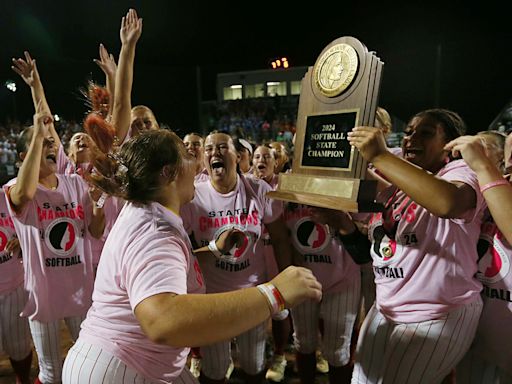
212, 246
101, 201
493, 184
274, 298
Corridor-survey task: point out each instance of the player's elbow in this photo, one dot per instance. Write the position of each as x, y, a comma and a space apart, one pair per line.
160, 322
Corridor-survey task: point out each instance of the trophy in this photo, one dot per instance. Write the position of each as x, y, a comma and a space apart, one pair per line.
340, 92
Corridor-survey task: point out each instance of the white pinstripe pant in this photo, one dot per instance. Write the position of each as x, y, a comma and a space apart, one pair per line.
474, 370
47, 341
89, 364
14, 331
251, 347
411, 353
338, 311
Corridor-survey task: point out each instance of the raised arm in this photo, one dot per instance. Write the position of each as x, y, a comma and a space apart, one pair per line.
27, 69
131, 29
108, 65
28, 176
440, 197
185, 320
496, 191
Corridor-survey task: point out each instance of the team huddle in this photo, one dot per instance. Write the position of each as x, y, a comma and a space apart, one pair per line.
156, 250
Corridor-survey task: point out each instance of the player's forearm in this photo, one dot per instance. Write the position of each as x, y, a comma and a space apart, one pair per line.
38, 95
28, 176
195, 320
438, 196
123, 88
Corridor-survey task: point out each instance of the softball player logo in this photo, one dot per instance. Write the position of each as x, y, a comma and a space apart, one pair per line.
494, 265
3, 240
237, 254
310, 237
385, 248
61, 236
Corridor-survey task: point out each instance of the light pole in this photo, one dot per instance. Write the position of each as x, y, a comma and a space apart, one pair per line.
11, 86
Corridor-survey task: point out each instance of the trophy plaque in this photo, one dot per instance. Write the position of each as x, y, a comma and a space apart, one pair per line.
338, 93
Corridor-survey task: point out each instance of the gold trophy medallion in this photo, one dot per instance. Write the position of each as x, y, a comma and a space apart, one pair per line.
335, 70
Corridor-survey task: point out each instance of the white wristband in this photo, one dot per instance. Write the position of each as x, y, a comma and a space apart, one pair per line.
101, 201
212, 246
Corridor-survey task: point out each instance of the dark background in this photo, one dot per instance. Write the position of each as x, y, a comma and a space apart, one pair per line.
447, 54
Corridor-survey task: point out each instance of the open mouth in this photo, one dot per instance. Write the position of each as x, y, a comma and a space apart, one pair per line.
51, 157
261, 167
217, 167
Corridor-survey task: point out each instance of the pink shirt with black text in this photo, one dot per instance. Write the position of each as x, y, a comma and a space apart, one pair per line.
111, 207
57, 260
319, 250
425, 265
246, 208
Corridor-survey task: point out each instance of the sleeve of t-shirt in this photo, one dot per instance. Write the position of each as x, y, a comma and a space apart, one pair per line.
460, 172
27, 214
158, 265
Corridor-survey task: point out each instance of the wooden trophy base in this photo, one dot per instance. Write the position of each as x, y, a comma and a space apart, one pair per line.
349, 195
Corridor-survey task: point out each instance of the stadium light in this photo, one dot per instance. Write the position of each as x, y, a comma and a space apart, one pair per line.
11, 85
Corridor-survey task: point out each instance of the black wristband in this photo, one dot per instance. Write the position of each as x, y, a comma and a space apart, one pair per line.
357, 245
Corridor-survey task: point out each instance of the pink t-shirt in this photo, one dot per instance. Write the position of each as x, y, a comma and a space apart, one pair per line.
246, 208
424, 265
111, 208
494, 333
147, 253
201, 176
320, 251
11, 268
64, 164
57, 259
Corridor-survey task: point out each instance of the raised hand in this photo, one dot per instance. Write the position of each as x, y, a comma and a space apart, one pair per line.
131, 28
27, 69
107, 62
472, 149
297, 284
369, 141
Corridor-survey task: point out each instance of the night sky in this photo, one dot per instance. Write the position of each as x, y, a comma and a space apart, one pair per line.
451, 55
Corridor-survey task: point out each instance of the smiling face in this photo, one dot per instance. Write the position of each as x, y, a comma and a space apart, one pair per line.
423, 143
80, 147
264, 163
221, 159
